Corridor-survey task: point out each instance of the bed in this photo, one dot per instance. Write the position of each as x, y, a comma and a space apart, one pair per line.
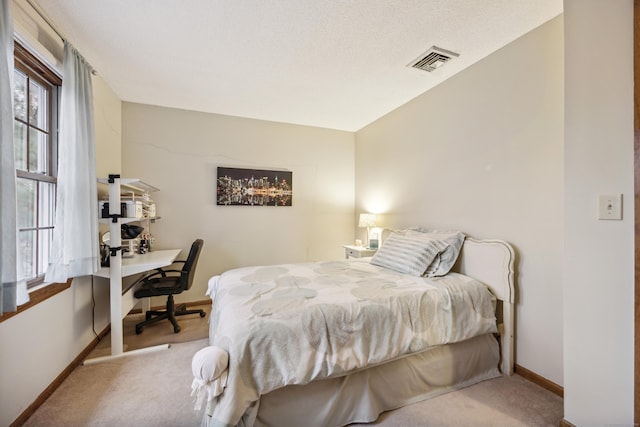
334, 343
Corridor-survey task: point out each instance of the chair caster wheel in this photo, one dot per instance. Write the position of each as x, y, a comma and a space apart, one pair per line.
203, 314
176, 329
138, 330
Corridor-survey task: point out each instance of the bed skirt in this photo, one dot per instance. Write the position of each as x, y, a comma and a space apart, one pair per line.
362, 396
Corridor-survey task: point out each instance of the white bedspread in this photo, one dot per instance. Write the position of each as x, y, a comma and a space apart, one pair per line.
295, 323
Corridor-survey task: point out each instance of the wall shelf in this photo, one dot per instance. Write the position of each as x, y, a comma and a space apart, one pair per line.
129, 189
133, 184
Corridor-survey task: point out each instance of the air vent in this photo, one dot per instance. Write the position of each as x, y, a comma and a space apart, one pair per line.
433, 59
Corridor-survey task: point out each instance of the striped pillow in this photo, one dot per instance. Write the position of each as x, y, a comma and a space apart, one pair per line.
445, 260
408, 254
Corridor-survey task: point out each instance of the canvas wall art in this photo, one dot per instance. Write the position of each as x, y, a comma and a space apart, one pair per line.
253, 187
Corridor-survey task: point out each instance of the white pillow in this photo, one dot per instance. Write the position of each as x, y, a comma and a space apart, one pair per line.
444, 260
209, 367
407, 254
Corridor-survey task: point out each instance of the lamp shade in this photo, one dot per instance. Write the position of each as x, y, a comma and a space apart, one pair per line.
367, 220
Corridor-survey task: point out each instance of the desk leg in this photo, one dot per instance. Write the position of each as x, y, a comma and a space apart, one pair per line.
145, 305
116, 314
117, 333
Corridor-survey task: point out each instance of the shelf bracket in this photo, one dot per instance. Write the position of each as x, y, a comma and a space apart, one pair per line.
114, 250
113, 177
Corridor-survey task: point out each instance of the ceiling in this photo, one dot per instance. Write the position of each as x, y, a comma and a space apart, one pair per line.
338, 64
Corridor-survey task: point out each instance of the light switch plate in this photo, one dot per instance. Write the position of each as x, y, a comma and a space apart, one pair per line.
610, 206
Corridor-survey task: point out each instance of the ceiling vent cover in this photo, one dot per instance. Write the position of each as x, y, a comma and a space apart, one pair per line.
433, 59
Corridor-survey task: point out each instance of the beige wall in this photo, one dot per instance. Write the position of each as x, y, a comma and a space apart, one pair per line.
107, 111
482, 153
178, 151
599, 261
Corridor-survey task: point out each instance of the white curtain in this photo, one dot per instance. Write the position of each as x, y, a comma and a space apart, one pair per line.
74, 249
13, 288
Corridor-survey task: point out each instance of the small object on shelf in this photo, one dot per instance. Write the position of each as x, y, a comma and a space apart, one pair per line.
130, 231
104, 250
149, 210
146, 241
129, 247
128, 208
373, 241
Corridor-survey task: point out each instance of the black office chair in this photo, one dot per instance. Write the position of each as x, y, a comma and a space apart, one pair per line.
170, 282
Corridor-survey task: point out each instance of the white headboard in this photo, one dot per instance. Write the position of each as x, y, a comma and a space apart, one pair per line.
492, 262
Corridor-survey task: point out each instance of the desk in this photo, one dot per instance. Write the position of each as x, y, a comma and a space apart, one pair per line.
141, 263
122, 302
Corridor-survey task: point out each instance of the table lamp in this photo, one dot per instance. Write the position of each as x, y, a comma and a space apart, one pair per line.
367, 220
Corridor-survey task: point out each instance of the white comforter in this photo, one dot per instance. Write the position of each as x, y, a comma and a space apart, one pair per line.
295, 323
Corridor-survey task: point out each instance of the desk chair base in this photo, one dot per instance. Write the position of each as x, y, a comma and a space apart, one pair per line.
170, 313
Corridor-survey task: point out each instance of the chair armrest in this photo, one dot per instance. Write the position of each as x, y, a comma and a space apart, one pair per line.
170, 271
160, 272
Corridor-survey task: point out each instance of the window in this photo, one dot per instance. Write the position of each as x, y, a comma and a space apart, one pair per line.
35, 131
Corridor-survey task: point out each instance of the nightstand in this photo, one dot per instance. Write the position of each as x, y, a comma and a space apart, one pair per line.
351, 251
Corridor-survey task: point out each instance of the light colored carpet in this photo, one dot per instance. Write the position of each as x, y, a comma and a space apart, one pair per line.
501, 402
153, 389
150, 389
